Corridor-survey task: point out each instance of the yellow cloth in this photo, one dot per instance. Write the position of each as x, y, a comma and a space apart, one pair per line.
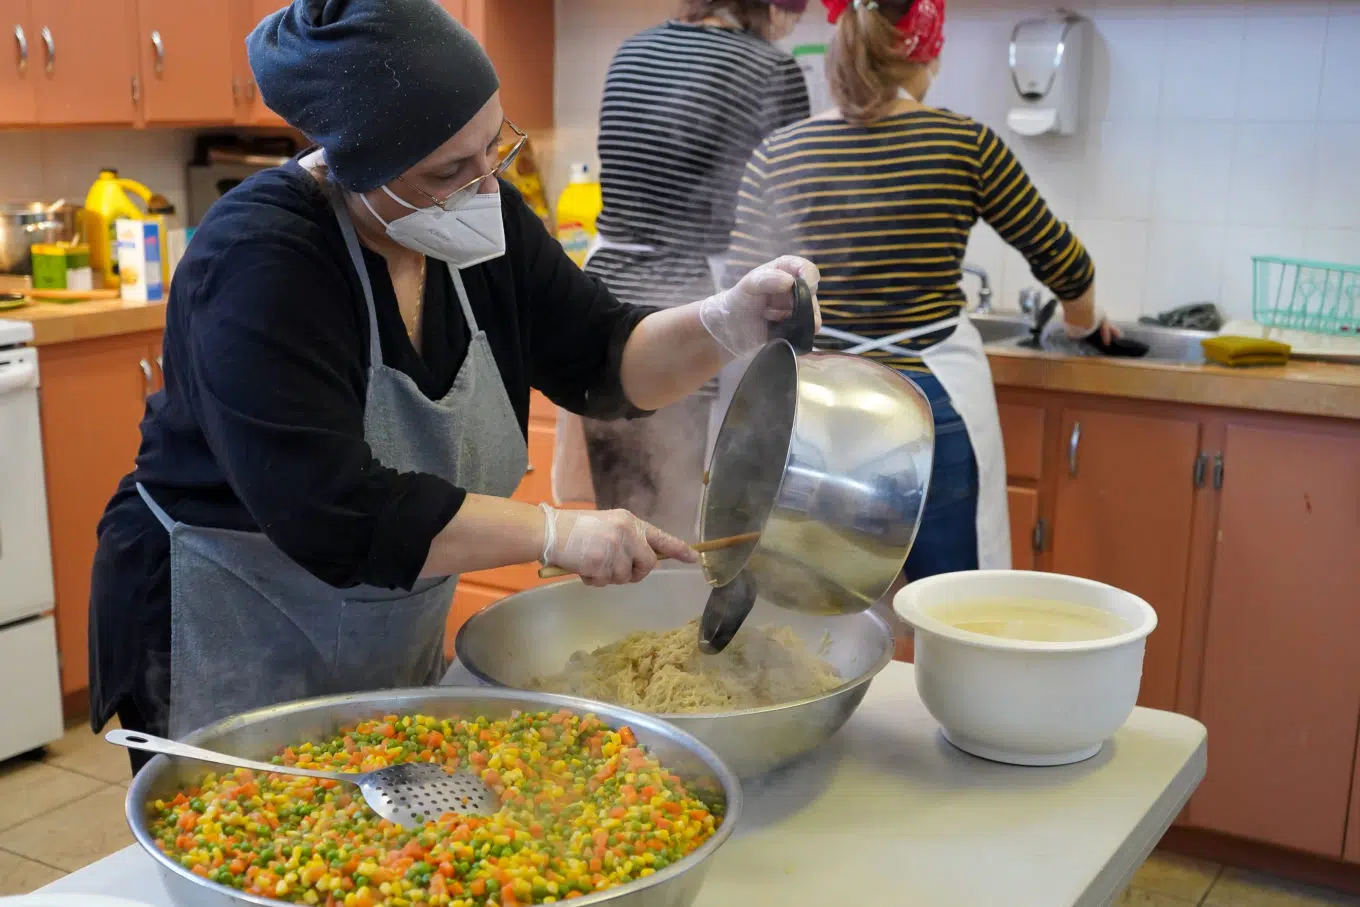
1245, 351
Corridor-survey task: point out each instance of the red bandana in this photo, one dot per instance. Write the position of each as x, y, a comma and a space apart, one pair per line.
922, 27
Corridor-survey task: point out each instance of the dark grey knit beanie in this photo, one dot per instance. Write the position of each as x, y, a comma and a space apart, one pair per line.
379, 84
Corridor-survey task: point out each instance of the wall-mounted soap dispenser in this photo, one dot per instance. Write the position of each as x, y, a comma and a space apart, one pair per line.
1048, 72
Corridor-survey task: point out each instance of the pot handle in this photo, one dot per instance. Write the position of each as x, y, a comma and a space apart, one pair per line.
800, 328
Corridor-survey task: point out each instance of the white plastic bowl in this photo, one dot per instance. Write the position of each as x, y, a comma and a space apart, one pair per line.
1021, 702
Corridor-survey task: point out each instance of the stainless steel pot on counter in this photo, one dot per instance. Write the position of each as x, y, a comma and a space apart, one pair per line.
27, 224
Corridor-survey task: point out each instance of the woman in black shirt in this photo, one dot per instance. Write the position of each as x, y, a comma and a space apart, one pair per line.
349, 348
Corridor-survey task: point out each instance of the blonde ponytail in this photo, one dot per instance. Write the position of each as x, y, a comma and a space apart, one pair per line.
865, 63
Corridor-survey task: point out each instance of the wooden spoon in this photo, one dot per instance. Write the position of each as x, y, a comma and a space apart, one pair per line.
730, 541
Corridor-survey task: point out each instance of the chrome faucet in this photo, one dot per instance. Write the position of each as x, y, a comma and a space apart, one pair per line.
984, 289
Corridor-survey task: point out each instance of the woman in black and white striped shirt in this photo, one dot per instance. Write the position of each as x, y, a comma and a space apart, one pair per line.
685, 104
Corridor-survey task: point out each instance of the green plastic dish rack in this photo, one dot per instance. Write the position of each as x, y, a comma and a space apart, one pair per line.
1306, 295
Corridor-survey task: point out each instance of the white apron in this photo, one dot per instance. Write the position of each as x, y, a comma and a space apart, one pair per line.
960, 364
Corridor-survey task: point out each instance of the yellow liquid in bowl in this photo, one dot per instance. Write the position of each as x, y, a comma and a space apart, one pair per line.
1032, 619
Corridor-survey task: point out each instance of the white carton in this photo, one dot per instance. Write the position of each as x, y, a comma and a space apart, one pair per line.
139, 260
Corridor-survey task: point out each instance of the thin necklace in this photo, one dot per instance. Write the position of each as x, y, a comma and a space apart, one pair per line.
413, 326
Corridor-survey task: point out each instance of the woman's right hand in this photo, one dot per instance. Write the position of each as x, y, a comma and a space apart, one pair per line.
1082, 318
607, 547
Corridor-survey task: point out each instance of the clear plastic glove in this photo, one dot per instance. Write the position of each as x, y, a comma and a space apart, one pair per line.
607, 547
739, 318
1082, 318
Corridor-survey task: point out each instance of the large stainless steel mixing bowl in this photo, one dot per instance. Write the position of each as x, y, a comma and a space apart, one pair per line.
532, 634
262, 733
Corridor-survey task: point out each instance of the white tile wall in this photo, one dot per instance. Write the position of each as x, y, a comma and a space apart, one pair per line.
1216, 129
46, 166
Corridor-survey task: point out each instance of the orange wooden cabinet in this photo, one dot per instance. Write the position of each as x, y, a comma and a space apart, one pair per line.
186, 61
249, 108
1352, 851
183, 62
1280, 689
82, 62
93, 395
467, 601
519, 37
1022, 433
1122, 515
20, 65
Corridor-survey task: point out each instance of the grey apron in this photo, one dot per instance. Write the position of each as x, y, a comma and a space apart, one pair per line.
250, 628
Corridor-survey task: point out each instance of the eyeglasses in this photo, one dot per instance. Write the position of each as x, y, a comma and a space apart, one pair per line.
471, 186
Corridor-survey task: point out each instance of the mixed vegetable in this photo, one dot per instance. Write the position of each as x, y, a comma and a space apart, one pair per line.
584, 808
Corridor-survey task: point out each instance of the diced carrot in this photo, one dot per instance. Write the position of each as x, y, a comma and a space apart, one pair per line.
478, 887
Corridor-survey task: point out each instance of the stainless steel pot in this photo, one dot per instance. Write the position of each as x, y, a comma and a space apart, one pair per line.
23, 226
827, 457
532, 634
262, 733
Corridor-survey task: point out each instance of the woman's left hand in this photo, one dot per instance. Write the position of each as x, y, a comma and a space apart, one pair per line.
739, 318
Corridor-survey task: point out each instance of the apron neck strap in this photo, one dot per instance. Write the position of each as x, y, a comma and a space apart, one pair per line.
156, 509
356, 257
463, 300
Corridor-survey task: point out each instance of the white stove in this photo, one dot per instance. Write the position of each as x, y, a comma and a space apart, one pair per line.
30, 690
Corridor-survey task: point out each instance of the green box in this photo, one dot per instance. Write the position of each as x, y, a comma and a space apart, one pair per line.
49, 267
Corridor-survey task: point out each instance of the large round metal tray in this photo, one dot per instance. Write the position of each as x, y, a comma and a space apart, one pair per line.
532, 634
262, 733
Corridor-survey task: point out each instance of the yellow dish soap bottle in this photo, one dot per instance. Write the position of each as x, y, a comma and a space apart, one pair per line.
577, 208
106, 202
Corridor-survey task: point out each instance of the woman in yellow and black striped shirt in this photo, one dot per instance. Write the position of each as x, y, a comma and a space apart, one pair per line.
882, 193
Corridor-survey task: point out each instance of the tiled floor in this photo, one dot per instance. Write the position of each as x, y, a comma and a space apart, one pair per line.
67, 811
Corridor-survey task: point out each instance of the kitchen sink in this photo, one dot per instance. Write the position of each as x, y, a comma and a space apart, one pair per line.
1164, 344
1000, 327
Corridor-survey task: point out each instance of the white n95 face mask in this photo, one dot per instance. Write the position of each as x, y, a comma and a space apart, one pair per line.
466, 235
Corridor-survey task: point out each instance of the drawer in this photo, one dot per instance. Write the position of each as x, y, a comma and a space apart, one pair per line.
1022, 433
467, 601
542, 410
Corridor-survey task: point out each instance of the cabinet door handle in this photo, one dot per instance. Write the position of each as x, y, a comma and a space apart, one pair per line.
1218, 472
1039, 536
250, 91
146, 376
1201, 469
529, 469
160, 370
136, 91
22, 40
1073, 443
50, 45
159, 47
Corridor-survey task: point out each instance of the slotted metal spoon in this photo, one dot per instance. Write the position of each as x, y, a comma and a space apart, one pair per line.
408, 793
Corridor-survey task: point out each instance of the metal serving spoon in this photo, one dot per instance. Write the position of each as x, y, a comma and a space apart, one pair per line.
408, 793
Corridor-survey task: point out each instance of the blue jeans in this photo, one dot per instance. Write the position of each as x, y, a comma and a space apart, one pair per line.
947, 539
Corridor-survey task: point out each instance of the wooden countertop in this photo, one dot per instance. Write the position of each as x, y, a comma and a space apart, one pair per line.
55, 322
1302, 387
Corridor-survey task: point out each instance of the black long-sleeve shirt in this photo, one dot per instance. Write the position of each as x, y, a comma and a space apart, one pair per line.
260, 424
